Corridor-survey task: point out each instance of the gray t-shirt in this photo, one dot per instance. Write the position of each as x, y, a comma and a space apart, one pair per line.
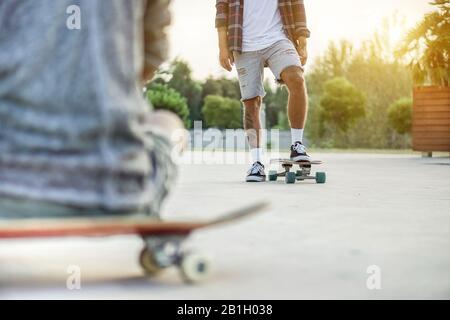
72, 111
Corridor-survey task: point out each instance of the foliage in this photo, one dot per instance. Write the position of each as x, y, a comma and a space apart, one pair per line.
342, 104
427, 47
221, 87
222, 113
373, 69
400, 115
276, 101
178, 76
163, 97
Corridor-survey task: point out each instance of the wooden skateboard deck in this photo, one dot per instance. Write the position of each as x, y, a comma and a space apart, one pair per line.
157, 235
291, 162
300, 175
98, 227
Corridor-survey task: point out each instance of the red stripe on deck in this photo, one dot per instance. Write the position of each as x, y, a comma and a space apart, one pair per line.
98, 231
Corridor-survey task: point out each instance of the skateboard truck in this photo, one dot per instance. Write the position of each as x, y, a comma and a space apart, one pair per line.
160, 253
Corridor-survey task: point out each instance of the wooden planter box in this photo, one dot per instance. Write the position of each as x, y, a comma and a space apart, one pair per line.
431, 119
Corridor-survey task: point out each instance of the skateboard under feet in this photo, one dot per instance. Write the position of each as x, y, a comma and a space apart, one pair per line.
304, 172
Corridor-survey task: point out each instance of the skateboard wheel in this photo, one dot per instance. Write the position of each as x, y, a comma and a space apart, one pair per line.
148, 263
321, 177
299, 173
195, 268
273, 175
290, 177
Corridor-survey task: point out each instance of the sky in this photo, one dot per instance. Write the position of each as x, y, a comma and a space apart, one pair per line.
194, 38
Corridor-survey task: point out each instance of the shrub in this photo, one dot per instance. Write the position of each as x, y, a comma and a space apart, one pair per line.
342, 103
163, 97
222, 113
400, 115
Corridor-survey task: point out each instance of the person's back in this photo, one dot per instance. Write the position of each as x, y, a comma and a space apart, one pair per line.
72, 112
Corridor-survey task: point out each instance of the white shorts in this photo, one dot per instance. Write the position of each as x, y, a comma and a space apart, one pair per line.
250, 66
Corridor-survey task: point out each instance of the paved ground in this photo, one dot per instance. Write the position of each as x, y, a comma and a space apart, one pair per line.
316, 241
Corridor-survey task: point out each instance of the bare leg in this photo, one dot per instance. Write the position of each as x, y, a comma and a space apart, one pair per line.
298, 98
252, 124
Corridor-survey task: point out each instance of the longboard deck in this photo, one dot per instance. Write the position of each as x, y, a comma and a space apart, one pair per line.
101, 227
291, 162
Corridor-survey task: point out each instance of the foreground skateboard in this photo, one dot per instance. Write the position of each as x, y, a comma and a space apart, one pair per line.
300, 175
162, 239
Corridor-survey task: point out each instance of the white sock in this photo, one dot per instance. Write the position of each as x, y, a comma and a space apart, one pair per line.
257, 154
296, 135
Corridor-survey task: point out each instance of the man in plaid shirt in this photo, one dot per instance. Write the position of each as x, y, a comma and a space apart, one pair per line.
254, 34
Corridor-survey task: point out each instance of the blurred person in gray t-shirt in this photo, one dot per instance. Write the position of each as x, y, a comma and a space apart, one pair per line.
76, 135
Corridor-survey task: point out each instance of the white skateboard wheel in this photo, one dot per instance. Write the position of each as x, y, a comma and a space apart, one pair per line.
195, 268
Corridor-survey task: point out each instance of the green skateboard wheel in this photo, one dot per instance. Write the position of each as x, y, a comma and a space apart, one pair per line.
321, 177
291, 177
273, 175
299, 173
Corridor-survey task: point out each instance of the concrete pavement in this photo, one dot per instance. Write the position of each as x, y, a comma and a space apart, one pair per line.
316, 241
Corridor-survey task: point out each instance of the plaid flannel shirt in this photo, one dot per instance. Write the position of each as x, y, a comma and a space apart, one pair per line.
230, 15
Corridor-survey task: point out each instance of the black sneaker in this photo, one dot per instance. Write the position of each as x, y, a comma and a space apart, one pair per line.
256, 173
298, 152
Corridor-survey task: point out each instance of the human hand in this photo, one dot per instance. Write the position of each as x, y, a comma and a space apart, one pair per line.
226, 59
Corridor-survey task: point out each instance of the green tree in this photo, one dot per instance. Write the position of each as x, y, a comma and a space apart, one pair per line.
178, 76
342, 104
276, 103
224, 87
162, 97
427, 47
222, 113
373, 69
400, 115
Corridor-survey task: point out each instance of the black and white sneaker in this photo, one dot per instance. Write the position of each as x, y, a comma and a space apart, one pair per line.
256, 173
298, 152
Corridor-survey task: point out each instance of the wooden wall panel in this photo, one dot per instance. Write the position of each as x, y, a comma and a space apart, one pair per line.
431, 119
